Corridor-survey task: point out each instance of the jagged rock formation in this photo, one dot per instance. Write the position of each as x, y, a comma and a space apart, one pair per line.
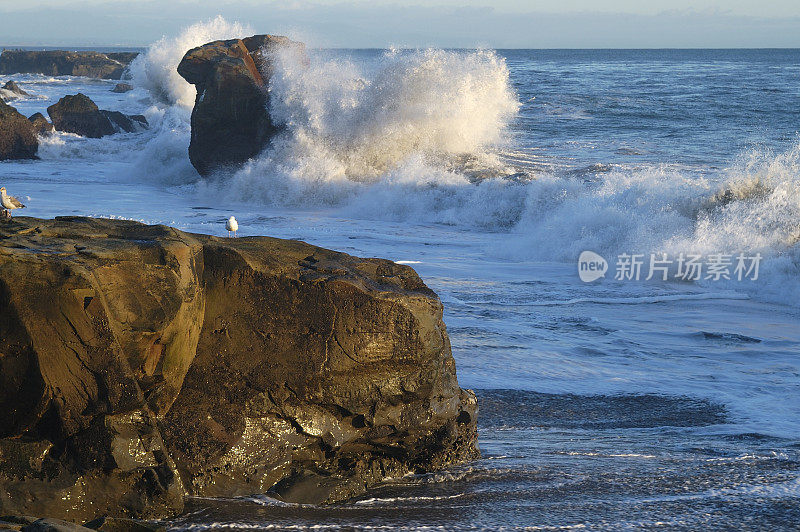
40, 124
13, 90
140, 364
65, 63
79, 114
17, 135
230, 119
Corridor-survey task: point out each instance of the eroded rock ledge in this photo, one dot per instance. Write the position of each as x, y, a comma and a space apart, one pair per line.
65, 63
141, 364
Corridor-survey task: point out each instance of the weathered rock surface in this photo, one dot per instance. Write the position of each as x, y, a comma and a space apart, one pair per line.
122, 87
40, 124
79, 114
17, 135
140, 364
230, 119
65, 63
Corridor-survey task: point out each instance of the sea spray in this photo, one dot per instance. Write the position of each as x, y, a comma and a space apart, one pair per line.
422, 135
156, 69
164, 159
417, 117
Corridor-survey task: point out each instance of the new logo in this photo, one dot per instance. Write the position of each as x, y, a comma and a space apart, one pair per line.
591, 266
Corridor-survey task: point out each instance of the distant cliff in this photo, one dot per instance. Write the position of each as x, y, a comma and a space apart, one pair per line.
65, 63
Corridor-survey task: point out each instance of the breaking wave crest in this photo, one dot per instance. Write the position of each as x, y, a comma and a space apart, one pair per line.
419, 118
422, 136
156, 69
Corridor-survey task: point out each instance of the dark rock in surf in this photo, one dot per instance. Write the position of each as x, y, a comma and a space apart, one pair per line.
17, 135
122, 87
13, 88
65, 63
40, 124
230, 119
54, 525
116, 524
141, 364
79, 114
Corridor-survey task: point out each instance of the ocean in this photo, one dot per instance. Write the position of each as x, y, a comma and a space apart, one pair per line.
613, 403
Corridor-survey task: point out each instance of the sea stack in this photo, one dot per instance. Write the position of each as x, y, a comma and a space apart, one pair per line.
230, 119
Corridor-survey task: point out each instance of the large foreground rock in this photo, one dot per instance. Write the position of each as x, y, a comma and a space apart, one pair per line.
230, 119
79, 114
140, 364
17, 135
65, 63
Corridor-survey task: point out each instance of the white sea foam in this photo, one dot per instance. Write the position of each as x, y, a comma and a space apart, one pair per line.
418, 120
156, 69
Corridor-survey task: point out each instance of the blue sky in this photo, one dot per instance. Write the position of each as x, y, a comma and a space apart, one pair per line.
448, 23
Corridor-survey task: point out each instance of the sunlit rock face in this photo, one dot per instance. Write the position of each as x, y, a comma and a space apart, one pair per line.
140, 364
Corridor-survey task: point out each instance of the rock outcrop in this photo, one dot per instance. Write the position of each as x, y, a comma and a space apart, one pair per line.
40, 124
65, 63
140, 364
17, 135
230, 119
122, 87
11, 88
79, 114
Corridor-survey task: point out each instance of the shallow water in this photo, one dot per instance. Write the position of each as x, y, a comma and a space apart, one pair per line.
610, 405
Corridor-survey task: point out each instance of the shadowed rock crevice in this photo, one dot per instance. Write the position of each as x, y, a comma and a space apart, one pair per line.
157, 364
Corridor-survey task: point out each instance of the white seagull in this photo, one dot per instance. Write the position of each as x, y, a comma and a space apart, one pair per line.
9, 203
232, 226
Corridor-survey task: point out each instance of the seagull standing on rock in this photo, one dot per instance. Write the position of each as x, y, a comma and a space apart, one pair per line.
9, 203
232, 226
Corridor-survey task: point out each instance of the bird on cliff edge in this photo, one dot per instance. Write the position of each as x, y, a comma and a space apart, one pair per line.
9, 203
232, 226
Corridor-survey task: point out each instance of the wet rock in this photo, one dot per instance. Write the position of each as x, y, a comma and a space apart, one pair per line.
14, 89
17, 135
17, 520
122, 87
141, 364
79, 114
230, 119
40, 124
53, 525
115, 524
65, 63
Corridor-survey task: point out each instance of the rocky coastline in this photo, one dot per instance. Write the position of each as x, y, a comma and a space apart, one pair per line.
65, 63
